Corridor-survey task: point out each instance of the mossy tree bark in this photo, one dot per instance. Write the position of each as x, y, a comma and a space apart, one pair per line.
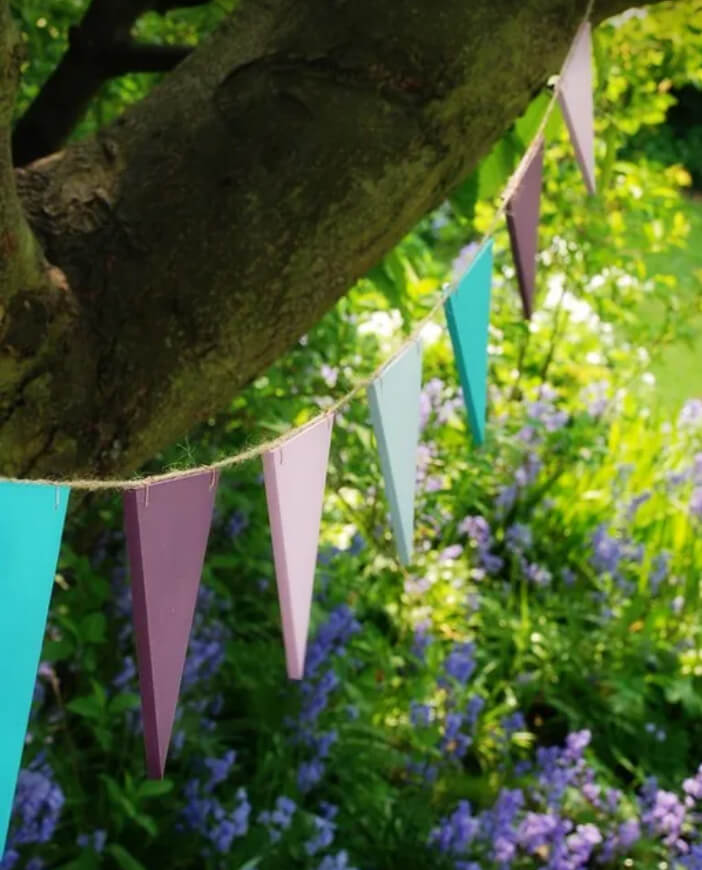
150, 272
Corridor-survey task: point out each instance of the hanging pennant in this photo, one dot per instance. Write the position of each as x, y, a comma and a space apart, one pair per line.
394, 406
167, 525
523, 210
576, 101
468, 316
294, 475
31, 524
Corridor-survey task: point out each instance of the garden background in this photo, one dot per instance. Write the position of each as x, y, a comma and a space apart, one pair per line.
529, 693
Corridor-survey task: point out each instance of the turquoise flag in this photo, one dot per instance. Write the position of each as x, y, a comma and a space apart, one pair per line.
394, 407
31, 523
468, 316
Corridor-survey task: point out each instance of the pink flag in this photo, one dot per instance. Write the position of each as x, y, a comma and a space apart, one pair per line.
167, 526
523, 223
294, 475
575, 97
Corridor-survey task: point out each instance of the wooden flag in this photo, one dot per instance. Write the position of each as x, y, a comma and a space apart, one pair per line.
295, 474
575, 98
31, 525
468, 316
394, 407
523, 211
167, 526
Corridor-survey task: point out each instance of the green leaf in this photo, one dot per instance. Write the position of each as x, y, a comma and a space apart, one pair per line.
123, 701
87, 706
465, 196
123, 858
93, 627
57, 650
154, 788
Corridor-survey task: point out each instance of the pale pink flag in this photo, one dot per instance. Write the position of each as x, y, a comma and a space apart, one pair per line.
575, 98
295, 474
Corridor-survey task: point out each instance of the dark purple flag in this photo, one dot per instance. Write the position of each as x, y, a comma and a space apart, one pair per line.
167, 526
523, 223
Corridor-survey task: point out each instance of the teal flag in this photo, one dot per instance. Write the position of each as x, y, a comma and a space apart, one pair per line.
468, 316
31, 523
394, 407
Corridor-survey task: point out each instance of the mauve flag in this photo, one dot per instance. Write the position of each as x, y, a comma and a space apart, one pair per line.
31, 525
575, 98
167, 526
523, 211
295, 474
394, 406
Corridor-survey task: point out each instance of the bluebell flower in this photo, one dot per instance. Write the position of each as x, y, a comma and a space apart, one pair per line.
664, 814
329, 374
37, 806
422, 639
506, 497
340, 861
450, 553
322, 743
219, 769
127, 677
537, 574
280, 818
519, 537
477, 529
460, 662
540, 830
309, 773
474, 707
232, 825
323, 835
95, 840
582, 842
456, 831
607, 551
237, 523
420, 714
513, 723
696, 502
690, 414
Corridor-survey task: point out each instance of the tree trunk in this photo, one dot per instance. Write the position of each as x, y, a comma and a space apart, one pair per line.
195, 239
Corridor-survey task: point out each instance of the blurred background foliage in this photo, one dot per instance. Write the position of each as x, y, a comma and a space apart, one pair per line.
529, 693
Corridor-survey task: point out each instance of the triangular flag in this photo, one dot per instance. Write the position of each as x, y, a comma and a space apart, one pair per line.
468, 316
294, 475
575, 97
31, 524
394, 407
523, 224
167, 525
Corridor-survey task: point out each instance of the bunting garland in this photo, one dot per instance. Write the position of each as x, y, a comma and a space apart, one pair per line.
294, 476
168, 517
167, 526
468, 316
575, 98
31, 524
394, 406
522, 215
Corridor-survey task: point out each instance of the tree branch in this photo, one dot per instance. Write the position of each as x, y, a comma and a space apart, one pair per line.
215, 222
100, 48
